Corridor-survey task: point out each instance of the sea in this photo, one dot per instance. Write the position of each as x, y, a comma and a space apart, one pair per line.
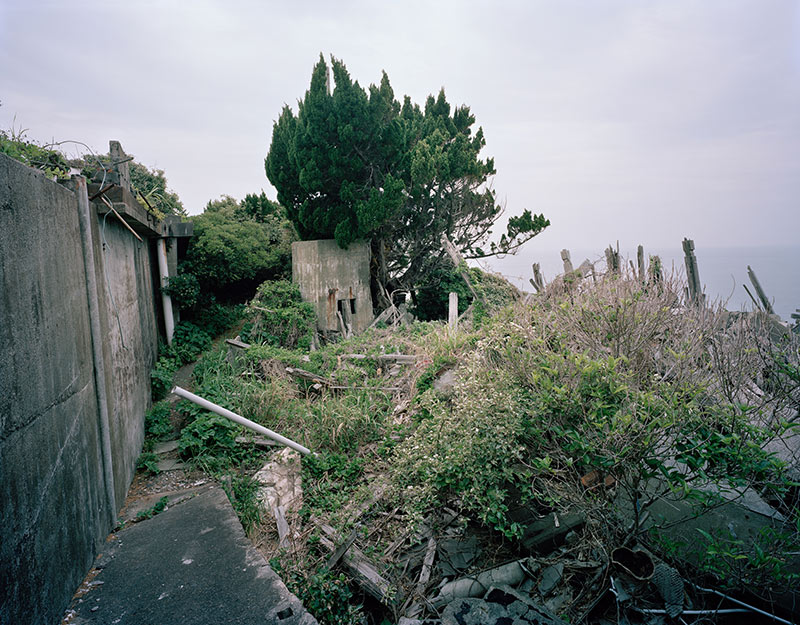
723, 271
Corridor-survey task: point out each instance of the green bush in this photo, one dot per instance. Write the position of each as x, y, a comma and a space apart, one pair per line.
162, 376
156, 421
209, 435
277, 316
236, 247
51, 162
431, 298
184, 289
326, 595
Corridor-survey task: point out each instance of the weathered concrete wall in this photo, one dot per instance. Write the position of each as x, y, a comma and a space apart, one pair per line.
53, 504
333, 280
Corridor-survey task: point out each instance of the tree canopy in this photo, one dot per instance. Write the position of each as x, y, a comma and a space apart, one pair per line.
356, 164
239, 244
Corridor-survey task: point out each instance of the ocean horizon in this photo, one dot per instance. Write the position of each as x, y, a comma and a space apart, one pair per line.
723, 270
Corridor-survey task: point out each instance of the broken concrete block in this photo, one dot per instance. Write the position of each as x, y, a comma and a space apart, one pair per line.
281, 489
551, 577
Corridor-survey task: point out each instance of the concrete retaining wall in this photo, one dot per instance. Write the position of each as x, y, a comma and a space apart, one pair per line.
53, 503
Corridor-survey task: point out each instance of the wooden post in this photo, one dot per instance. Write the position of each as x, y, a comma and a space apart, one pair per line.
640, 263
759, 291
452, 312
692, 272
655, 269
567, 261
537, 281
612, 260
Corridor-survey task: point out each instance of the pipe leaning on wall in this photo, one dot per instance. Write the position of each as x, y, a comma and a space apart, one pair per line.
166, 300
85, 225
224, 412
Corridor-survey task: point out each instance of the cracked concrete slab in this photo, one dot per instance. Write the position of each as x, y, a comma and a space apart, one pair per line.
190, 564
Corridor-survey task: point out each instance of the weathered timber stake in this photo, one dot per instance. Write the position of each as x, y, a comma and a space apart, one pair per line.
692, 272
655, 269
537, 281
612, 259
640, 262
759, 291
452, 312
567, 261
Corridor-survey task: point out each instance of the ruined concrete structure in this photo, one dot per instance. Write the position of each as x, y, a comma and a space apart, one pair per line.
335, 282
79, 332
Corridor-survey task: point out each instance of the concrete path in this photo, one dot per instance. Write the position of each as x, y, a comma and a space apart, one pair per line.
191, 564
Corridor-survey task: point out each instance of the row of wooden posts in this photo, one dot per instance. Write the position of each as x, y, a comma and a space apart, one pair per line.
694, 288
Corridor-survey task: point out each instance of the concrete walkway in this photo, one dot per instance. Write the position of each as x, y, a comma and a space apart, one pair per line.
191, 564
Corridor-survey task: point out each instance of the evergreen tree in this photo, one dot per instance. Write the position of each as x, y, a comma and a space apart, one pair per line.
356, 164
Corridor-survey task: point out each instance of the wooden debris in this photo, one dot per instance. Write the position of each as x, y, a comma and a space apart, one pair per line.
363, 572
759, 291
342, 549
537, 282
265, 443
460, 266
236, 343
548, 533
567, 261
307, 375
692, 272
408, 359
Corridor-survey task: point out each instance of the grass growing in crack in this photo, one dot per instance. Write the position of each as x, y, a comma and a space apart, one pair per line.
242, 491
159, 507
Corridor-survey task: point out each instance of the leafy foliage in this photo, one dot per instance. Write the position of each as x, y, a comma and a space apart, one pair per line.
238, 245
152, 185
15, 145
156, 421
277, 316
431, 298
209, 435
326, 595
184, 289
356, 164
243, 494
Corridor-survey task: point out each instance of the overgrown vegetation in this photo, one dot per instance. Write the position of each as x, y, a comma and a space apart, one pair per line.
238, 245
277, 316
13, 143
615, 378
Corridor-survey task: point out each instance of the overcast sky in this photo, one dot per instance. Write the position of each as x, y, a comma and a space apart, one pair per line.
639, 121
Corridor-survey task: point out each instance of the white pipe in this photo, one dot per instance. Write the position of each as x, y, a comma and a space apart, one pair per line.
181, 392
95, 329
166, 300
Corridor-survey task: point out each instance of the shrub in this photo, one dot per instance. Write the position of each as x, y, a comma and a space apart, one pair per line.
156, 421
209, 435
233, 250
184, 289
277, 316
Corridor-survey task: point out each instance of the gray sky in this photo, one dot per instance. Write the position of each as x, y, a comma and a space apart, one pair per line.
639, 121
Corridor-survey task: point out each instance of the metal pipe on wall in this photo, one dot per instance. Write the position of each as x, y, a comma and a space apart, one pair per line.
166, 300
85, 224
224, 412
